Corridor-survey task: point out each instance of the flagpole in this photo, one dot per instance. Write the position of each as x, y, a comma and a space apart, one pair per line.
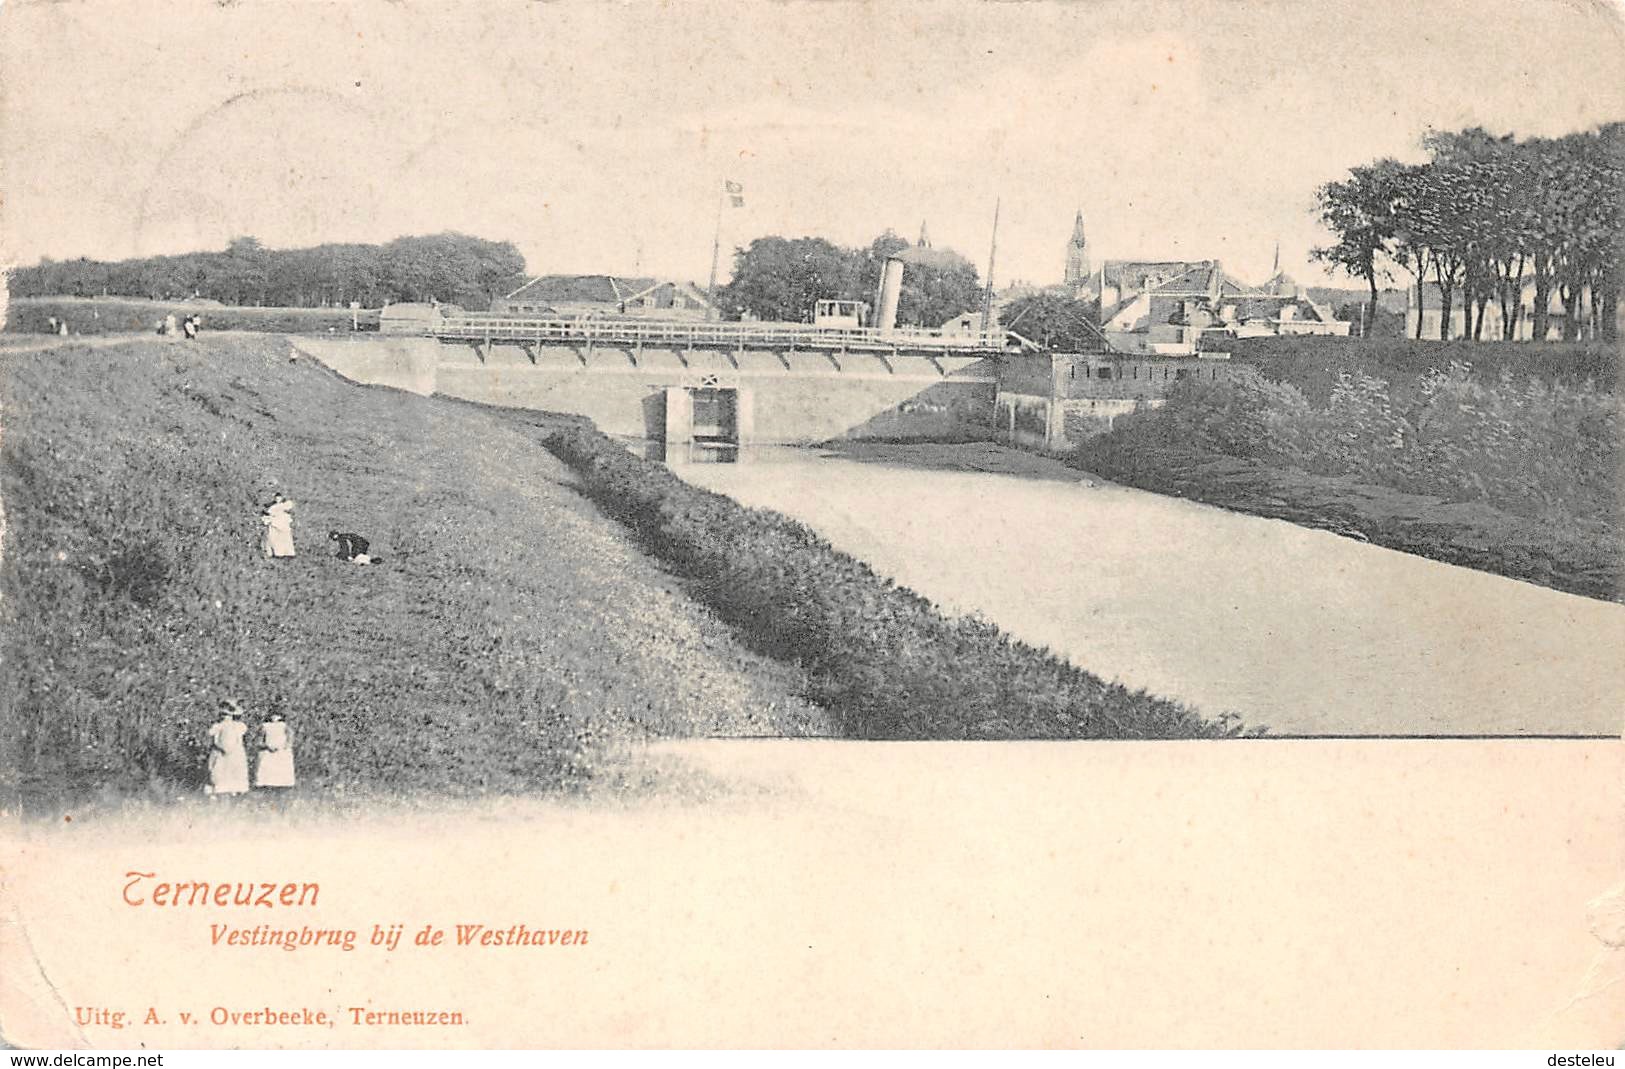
716, 252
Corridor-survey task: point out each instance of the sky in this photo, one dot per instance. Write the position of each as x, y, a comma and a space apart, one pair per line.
596, 136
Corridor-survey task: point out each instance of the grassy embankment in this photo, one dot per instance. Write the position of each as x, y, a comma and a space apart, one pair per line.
512, 631
881, 658
117, 315
1512, 464
511, 636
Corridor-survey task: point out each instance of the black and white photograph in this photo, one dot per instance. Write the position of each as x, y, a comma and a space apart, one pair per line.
812, 525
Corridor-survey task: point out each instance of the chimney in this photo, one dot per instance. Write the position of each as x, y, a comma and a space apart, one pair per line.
891, 289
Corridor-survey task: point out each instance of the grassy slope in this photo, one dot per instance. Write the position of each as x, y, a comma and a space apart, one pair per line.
1580, 558
1471, 534
510, 630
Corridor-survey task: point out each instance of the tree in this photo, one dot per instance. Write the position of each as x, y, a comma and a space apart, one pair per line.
246, 270
1489, 215
1588, 257
872, 260
1059, 324
1436, 217
782, 279
1360, 212
456, 267
1490, 205
1509, 226
938, 284
1409, 246
1610, 208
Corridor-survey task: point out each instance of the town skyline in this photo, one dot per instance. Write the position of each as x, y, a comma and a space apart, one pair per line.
1190, 136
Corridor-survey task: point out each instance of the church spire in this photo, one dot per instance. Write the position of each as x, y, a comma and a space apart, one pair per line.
1276, 269
1077, 255
925, 239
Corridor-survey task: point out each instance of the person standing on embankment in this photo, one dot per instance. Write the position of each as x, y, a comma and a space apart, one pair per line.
275, 768
228, 760
278, 521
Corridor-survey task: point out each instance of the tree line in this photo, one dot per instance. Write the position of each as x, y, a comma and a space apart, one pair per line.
449, 267
1486, 216
777, 278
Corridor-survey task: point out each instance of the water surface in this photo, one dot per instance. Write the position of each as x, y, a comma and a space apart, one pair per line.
1297, 629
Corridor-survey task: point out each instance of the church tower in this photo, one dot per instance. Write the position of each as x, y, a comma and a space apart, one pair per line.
1077, 256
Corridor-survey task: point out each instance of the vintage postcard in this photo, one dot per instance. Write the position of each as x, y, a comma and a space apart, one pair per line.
787, 525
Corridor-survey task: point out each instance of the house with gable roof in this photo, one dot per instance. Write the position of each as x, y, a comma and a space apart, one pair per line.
604, 295
1164, 307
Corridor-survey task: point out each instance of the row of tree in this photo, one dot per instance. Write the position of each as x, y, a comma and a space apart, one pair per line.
778, 278
453, 268
1486, 217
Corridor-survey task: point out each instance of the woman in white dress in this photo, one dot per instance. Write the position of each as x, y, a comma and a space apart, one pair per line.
228, 760
275, 768
278, 521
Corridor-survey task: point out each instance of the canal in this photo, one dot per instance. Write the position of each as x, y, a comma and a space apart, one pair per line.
1299, 630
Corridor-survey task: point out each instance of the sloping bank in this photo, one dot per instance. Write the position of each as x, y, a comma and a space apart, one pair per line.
510, 641
880, 657
1515, 477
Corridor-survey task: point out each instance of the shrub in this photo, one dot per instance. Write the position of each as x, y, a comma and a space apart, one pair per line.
1535, 449
1315, 364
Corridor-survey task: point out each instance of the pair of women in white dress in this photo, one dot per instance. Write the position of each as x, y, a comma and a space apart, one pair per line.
228, 756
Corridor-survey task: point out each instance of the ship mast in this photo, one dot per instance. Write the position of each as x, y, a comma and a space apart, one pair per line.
992, 253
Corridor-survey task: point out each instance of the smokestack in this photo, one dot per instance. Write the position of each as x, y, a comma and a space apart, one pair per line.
891, 290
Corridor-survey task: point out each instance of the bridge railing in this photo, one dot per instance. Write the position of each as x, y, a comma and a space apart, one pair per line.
666, 334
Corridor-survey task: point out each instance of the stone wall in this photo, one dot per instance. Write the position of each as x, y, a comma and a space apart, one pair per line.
1083, 419
1100, 377
402, 362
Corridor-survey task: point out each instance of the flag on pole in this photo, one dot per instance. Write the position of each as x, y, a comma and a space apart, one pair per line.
735, 192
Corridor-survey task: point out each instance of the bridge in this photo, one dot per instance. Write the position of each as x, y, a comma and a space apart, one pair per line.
690, 382
632, 336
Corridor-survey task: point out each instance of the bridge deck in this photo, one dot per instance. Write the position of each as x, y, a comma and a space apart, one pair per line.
676, 334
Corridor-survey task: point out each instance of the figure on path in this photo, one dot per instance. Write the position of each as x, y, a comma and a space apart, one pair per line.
228, 760
189, 327
275, 768
278, 521
169, 327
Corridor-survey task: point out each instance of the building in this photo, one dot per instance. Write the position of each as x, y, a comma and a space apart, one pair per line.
1053, 401
574, 295
1166, 306
970, 322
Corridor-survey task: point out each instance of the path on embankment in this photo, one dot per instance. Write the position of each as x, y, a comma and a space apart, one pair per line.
1299, 630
